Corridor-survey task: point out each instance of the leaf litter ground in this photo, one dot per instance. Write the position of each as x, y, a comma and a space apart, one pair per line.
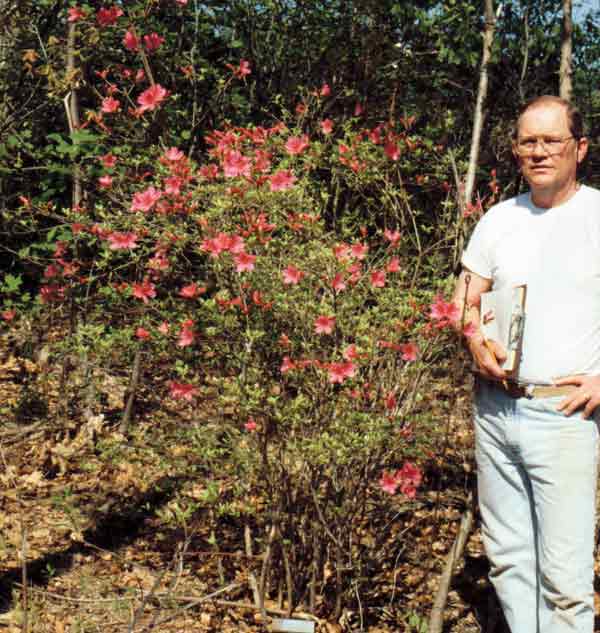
88, 511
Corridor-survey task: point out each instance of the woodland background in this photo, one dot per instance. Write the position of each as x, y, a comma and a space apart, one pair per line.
229, 385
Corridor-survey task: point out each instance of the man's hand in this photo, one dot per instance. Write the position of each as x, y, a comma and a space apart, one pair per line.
487, 355
587, 395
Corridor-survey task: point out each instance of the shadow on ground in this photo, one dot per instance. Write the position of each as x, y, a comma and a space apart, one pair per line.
120, 527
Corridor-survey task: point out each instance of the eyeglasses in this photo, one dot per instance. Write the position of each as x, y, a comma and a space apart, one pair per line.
551, 146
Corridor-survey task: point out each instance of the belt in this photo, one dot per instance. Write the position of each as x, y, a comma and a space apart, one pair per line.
515, 390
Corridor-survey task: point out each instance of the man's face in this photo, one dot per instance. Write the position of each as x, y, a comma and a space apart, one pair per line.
550, 167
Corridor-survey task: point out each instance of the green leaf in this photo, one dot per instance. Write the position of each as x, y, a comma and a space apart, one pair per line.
11, 283
84, 136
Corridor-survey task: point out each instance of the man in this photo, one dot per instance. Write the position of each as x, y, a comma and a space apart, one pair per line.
536, 439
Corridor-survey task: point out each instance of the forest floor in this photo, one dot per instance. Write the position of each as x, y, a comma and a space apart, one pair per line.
85, 544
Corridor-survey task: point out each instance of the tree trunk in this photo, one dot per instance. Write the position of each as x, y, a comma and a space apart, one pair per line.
465, 199
488, 40
72, 108
566, 52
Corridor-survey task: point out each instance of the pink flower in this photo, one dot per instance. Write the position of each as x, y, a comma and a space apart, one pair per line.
223, 242
358, 109
408, 351
9, 315
52, 293
105, 181
242, 70
327, 126
338, 372
212, 246
296, 144
191, 291
182, 391
443, 312
393, 265
411, 473
108, 17
359, 251
236, 244
325, 90
75, 14
324, 324
108, 160
390, 401
388, 482
287, 365
281, 180
145, 200
186, 334
173, 185
164, 327
182, 3
378, 279
243, 262
262, 161
52, 270
408, 478
174, 154
153, 42
393, 237
159, 261
122, 241
292, 275
152, 97
338, 283
469, 329
131, 41
392, 151
110, 105
350, 353
235, 164
341, 252
142, 333
250, 425
144, 291
209, 172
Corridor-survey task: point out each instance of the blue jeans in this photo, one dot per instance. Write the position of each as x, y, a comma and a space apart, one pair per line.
537, 495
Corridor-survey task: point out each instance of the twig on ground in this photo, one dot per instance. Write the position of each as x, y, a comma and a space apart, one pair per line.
192, 604
289, 582
436, 618
265, 565
251, 577
151, 593
25, 594
58, 596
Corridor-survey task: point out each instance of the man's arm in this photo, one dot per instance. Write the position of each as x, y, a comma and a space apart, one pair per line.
467, 297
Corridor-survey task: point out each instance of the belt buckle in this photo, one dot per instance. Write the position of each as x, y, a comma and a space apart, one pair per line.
514, 390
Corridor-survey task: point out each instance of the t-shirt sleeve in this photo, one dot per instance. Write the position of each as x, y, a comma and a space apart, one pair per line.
477, 255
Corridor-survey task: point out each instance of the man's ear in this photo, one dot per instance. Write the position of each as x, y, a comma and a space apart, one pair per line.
582, 148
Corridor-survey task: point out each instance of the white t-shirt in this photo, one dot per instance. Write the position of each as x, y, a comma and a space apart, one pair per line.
556, 252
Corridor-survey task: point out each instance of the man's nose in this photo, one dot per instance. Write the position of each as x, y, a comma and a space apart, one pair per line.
539, 149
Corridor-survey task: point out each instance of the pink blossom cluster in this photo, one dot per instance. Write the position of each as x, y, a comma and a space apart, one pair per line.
443, 313
182, 391
234, 244
337, 372
53, 290
408, 479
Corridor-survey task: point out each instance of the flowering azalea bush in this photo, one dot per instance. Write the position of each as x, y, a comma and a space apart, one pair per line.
243, 286
307, 344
